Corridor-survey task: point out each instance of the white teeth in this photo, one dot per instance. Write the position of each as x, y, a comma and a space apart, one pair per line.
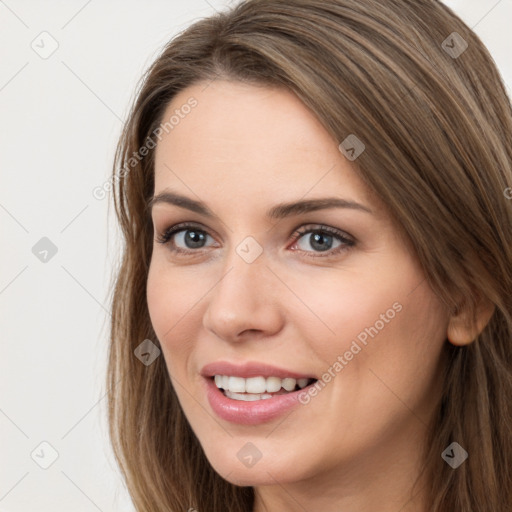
289, 384
257, 385
247, 397
254, 385
237, 384
302, 383
273, 384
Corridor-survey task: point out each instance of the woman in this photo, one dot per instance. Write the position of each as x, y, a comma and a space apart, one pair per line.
313, 310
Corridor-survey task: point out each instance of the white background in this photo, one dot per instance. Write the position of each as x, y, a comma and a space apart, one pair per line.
60, 118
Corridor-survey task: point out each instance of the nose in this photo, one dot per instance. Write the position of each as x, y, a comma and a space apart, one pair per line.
245, 301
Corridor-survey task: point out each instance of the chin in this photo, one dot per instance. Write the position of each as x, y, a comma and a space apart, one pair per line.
262, 472
253, 477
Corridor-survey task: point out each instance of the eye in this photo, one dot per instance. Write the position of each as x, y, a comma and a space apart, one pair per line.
184, 238
188, 238
323, 239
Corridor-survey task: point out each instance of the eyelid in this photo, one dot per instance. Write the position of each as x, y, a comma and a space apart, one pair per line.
311, 228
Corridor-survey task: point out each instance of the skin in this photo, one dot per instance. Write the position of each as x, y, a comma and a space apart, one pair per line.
356, 445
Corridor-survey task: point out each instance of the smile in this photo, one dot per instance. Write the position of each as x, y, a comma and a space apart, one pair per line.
258, 388
253, 408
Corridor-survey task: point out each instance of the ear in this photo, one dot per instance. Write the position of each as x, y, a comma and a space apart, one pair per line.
463, 329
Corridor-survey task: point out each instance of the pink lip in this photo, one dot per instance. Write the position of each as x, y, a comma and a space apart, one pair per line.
250, 369
249, 413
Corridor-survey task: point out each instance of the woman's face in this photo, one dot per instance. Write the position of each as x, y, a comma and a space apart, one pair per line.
343, 301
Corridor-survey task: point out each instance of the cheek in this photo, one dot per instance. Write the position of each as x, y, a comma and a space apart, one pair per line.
172, 293
345, 306
417, 337
397, 369
173, 305
385, 319
161, 295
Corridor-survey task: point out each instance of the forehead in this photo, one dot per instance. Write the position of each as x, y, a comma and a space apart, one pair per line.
249, 142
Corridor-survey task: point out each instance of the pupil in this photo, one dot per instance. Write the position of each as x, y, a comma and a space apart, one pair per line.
318, 241
194, 239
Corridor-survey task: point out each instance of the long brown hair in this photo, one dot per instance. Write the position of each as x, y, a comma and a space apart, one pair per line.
418, 87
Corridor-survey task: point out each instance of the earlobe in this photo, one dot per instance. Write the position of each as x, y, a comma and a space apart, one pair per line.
462, 330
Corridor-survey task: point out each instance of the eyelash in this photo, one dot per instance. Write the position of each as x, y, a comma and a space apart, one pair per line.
347, 243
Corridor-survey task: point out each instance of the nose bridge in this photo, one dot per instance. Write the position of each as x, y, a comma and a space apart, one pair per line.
243, 298
244, 277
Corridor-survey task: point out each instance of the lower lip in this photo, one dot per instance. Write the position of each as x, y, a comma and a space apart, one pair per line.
249, 413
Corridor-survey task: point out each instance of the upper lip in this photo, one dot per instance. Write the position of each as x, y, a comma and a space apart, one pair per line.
250, 369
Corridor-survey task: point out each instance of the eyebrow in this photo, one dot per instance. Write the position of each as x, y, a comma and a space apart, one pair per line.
278, 211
